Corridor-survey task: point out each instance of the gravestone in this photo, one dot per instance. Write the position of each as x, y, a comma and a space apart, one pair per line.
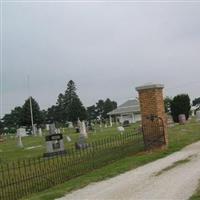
21, 132
82, 128
70, 125
68, 138
84, 131
54, 142
81, 143
47, 127
19, 142
198, 115
182, 119
40, 132
34, 129
121, 129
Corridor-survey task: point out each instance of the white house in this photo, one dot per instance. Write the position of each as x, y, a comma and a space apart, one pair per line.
130, 110
194, 109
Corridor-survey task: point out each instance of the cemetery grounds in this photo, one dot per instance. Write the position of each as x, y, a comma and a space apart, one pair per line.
179, 136
34, 146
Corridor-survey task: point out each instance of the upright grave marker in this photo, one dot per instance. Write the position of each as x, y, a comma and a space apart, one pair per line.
81, 143
21, 132
54, 142
153, 115
19, 141
198, 115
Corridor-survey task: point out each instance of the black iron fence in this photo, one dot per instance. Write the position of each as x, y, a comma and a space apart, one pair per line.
20, 179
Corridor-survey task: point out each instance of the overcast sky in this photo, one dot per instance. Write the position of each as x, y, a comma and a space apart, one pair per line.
107, 49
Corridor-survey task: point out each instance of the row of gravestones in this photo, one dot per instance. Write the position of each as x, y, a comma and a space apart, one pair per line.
55, 142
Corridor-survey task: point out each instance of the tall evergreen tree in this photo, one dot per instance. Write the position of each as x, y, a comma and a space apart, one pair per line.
13, 119
60, 109
100, 108
52, 114
73, 107
92, 112
108, 106
26, 113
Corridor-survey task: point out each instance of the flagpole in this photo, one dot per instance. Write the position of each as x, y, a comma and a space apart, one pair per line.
31, 108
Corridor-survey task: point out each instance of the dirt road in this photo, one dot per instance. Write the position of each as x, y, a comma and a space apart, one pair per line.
171, 178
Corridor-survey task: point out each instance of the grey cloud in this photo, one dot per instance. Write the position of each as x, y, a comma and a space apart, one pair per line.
106, 50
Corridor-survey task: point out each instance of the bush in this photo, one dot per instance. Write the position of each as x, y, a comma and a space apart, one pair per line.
180, 105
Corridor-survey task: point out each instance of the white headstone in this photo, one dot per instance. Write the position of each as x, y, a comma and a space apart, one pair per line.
47, 127
19, 142
70, 125
79, 123
58, 131
121, 129
84, 132
182, 119
40, 132
82, 128
34, 131
106, 126
52, 129
21, 132
198, 115
68, 138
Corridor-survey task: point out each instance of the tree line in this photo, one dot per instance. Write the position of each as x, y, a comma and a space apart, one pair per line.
68, 107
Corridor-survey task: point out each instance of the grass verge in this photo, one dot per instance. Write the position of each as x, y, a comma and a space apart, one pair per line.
175, 164
196, 195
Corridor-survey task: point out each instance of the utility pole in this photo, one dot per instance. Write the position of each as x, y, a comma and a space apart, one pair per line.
31, 108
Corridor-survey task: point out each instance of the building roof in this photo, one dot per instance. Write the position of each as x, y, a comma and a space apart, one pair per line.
130, 106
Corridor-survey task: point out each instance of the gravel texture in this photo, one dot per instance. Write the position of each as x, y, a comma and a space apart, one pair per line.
178, 182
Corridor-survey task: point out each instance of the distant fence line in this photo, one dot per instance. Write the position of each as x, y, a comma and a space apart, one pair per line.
20, 179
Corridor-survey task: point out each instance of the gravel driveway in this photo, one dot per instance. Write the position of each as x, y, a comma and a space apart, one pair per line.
173, 177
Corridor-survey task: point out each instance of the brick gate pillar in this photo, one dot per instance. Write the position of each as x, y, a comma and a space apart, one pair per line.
151, 103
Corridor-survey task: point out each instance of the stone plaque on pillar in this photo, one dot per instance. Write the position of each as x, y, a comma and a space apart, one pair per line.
152, 104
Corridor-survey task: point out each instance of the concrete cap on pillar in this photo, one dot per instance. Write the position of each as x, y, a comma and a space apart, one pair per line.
150, 86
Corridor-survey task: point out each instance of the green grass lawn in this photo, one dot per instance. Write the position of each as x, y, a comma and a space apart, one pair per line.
179, 136
9, 150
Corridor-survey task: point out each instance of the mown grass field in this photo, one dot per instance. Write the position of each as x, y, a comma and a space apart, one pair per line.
179, 137
9, 150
